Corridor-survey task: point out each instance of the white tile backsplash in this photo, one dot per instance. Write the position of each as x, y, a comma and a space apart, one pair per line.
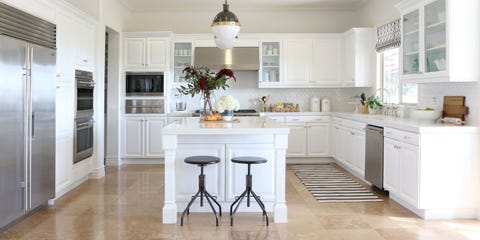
246, 90
431, 94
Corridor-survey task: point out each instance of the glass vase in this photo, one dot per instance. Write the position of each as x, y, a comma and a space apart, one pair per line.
207, 102
227, 115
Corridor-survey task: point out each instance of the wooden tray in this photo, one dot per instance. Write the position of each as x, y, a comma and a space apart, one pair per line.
235, 120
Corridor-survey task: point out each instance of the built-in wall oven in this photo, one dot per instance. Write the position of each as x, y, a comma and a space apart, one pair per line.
83, 144
84, 94
84, 123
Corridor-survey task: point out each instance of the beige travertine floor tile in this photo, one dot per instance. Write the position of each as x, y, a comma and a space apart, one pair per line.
127, 205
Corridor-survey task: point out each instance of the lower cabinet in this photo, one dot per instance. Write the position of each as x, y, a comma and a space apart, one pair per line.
142, 137
225, 180
309, 136
401, 170
348, 140
63, 164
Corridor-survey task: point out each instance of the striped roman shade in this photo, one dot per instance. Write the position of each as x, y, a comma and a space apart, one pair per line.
388, 36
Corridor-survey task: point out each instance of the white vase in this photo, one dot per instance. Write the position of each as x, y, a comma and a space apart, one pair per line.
227, 115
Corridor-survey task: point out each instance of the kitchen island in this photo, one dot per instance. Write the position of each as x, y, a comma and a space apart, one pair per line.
244, 136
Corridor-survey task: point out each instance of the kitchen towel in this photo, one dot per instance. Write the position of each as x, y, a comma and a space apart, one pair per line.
329, 184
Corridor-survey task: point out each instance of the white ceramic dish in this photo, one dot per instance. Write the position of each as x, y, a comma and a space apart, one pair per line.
425, 116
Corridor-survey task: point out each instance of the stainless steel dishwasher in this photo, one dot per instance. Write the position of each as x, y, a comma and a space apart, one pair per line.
374, 155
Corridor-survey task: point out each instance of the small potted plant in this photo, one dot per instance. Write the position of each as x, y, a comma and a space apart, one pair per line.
374, 104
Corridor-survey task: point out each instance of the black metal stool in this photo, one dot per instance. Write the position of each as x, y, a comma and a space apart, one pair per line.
201, 161
248, 190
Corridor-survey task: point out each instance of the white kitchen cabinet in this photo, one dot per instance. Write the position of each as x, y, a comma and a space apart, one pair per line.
327, 61
85, 42
348, 139
63, 164
437, 41
235, 173
298, 62
146, 53
64, 110
309, 136
182, 57
186, 187
318, 142
401, 167
65, 67
297, 138
142, 137
271, 64
358, 57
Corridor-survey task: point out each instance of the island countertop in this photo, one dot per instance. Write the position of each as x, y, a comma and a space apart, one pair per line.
239, 126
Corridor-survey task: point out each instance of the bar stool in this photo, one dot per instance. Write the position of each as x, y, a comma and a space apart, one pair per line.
248, 191
201, 161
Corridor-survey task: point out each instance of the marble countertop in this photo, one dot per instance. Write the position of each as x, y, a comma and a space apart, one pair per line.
239, 126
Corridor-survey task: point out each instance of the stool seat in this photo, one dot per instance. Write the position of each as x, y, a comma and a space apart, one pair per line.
202, 160
249, 160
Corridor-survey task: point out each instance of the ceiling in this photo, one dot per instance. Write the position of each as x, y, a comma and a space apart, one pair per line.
162, 5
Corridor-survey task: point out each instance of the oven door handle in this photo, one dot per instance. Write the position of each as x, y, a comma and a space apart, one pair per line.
88, 124
86, 83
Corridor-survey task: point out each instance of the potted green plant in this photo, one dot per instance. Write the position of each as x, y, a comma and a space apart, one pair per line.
374, 104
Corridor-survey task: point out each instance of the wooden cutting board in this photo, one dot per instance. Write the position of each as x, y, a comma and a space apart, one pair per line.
454, 106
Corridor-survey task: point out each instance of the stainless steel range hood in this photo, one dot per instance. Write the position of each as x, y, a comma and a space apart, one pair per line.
238, 58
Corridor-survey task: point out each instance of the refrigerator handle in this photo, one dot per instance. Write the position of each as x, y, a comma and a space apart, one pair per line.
33, 124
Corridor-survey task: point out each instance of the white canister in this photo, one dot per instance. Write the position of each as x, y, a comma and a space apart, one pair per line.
325, 105
314, 104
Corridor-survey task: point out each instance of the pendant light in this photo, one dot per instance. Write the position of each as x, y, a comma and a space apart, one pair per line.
225, 28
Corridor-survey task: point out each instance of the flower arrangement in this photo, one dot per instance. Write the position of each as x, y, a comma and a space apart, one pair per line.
227, 103
202, 81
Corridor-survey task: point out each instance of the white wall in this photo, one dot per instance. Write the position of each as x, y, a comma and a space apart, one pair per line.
377, 12
88, 6
187, 21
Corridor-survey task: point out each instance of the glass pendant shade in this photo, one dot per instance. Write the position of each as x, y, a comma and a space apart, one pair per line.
225, 28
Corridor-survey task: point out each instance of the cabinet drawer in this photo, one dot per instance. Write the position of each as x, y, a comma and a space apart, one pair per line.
403, 136
304, 119
277, 119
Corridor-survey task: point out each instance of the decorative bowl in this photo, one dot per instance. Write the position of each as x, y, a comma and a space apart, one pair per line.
425, 115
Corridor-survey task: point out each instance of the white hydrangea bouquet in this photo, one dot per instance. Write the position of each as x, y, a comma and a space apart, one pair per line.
226, 105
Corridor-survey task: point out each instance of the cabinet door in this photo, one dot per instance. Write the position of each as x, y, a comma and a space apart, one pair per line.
153, 135
156, 52
340, 144
85, 42
65, 48
390, 166
64, 162
186, 179
318, 139
133, 138
435, 30
327, 61
297, 138
298, 62
348, 56
134, 52
182, 57
271, 64
263, 175
408, 166
358, 146
411, 43
64, 111
348, 140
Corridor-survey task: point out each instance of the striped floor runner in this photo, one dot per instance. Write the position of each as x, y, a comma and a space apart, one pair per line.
328, 184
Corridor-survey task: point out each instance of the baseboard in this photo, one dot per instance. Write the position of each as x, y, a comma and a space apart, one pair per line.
113, 161
70, 187
148, 161
97, 173
309, 160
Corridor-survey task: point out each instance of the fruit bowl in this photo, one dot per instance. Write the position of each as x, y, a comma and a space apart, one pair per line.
422, 115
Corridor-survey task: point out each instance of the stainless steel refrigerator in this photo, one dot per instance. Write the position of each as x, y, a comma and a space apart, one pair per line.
27, 127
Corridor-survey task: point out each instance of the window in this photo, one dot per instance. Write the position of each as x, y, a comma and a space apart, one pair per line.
396, 91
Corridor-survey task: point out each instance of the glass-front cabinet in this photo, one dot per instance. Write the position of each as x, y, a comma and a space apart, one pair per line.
270, 68
182, 57
424, 41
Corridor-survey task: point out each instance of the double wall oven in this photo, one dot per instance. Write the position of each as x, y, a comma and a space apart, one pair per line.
84, 123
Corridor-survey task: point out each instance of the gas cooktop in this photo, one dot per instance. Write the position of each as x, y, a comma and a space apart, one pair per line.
240, 113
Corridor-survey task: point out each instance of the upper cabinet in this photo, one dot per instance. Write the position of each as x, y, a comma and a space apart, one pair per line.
327, 61
85, 39
358, 57
146, 53
298, 62
437, 41
270, 64
182, 57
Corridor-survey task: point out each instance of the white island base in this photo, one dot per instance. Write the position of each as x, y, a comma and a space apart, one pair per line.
250, 136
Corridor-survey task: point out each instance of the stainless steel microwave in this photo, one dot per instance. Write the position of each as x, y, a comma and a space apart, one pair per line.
144, 83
